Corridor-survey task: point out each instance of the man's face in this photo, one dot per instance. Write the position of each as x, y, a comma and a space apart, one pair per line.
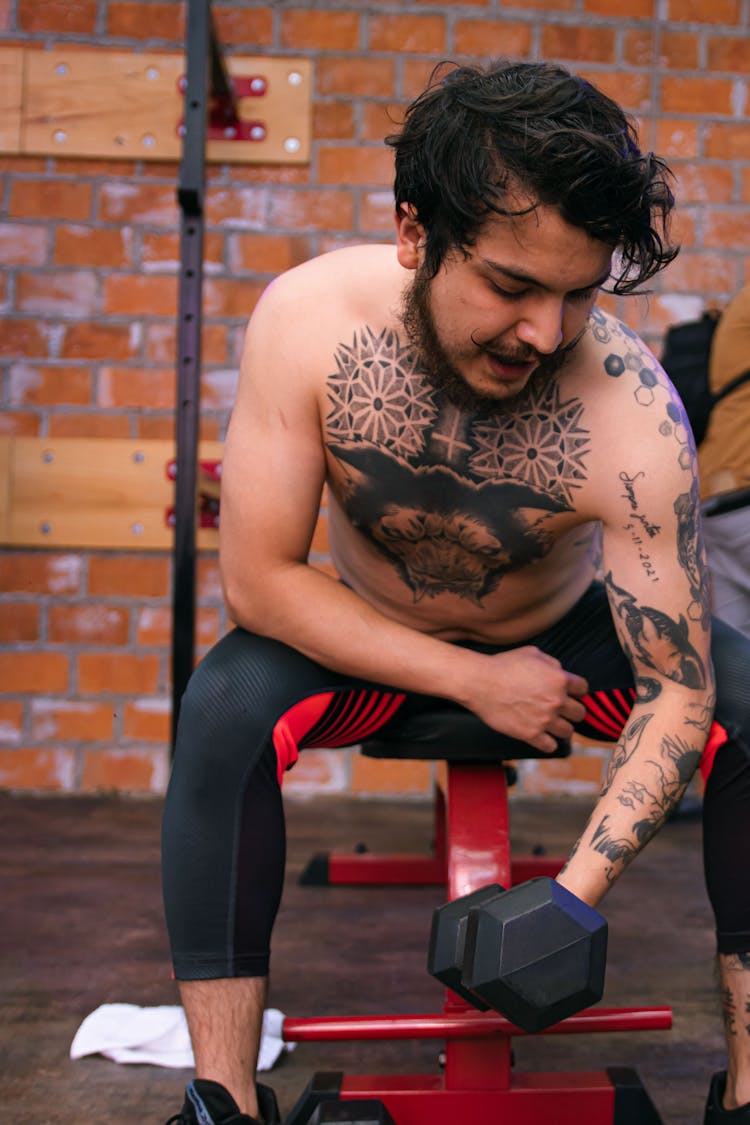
509, 311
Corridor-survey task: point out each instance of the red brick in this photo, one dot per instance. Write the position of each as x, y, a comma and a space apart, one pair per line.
22, 672
88, 624
417, 73
146, 21
4, 15
582, 44
637, 9
117, 673
322, 31
267, 253
128, 576
423, 35
684, 227
11, 721
92, 340
746, 185
23, 572
676, 137
694, 272
66, 17
270, 174
376, 212
632, 91
22, 244
27, 165
129, 771
229, 297
349, 165
727, 142
63, 293
136, 387
679, 50
370, 775
49, 386
136, 295
333, 121
37, 769
58, 720
17, 424
381, 118
704, 183
154, 627
638, 47
312, 210
355, 77
23, 338
150, 204
79, 167
318, 771
206, 627
161, 343
243, 207
147, 720
729, 229
251, 26
156, 427
162, 251
19, 622
209, 578
479, 38
49, 199
89, 426
731, 54
92, 246
696, 95
703, 11
219, 389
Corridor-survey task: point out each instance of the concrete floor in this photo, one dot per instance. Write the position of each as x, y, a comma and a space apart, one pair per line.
82, 926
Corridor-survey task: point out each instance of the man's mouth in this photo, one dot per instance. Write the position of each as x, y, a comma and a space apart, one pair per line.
510, 369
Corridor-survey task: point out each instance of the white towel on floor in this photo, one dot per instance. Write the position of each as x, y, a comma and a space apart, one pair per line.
127, 1033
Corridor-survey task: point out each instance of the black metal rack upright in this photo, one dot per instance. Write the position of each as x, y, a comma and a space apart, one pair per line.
207, 80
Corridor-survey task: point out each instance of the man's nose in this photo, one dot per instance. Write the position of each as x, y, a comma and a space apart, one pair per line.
541, 325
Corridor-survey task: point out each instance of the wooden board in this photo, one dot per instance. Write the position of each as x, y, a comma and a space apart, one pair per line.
108, 104
11, 87
92, 492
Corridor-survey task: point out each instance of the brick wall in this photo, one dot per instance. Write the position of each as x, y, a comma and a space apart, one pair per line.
88, 254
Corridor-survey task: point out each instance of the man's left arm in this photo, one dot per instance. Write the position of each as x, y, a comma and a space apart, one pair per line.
656, 579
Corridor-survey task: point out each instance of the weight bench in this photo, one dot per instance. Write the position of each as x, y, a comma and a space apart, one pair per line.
477, 1083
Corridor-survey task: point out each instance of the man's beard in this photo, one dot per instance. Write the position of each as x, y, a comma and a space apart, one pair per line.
420, 327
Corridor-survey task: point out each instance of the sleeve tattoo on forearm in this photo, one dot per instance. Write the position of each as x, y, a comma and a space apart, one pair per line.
655, 639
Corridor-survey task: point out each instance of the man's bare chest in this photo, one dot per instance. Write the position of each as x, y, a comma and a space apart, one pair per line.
454, 499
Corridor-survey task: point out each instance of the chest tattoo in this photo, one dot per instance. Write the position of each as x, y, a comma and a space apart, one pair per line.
453, 499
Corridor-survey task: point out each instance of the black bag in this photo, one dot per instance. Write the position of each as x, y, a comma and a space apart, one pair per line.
687, 348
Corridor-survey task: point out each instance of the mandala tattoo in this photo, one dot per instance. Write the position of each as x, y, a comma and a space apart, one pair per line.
453, 499
651, 637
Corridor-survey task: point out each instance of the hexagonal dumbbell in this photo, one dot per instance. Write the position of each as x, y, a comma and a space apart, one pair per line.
535, 953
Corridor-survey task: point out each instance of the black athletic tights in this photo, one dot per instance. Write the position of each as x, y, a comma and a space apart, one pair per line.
253, 703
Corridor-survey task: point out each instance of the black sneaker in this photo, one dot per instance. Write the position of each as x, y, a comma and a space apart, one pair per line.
715, 1112
208, 1103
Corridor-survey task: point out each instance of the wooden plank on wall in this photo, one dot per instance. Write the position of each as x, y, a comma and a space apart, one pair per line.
107, 104
11, 91
92, 492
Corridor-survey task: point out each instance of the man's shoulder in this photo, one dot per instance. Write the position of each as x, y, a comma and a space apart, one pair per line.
615, 363
351, 276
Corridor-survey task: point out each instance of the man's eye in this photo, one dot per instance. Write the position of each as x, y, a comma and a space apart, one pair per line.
508, 294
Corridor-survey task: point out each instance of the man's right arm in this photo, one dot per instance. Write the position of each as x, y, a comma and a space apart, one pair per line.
272, 478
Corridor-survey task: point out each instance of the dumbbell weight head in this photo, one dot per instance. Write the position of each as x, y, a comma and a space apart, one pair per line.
365, 1111
536, 954
445, 958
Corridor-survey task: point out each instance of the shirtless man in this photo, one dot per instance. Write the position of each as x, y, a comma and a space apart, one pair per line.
491, 442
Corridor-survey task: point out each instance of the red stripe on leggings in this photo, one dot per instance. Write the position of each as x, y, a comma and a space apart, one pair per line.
331, 719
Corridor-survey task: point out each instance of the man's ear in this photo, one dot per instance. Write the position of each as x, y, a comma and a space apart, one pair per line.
410, 237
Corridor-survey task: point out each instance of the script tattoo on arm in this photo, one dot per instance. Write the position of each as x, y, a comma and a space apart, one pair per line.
655, 639
654, 804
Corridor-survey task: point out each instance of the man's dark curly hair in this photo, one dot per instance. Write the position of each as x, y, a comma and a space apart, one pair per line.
479, 134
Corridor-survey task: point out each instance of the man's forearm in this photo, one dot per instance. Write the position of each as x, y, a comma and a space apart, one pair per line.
650, 768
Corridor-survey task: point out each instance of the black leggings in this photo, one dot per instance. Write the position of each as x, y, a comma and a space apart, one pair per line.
253, 703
